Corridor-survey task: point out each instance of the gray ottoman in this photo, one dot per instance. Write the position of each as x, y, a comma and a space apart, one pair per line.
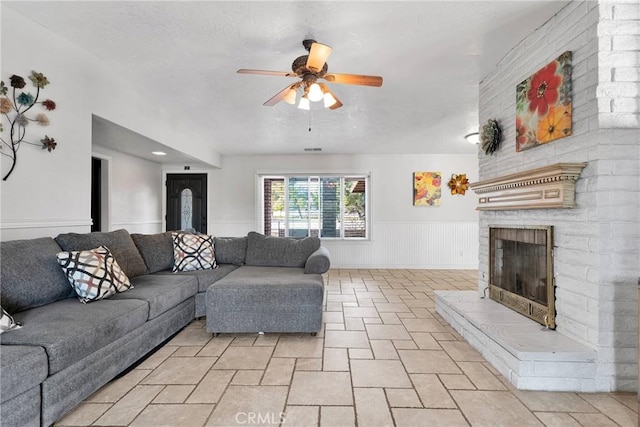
265, 299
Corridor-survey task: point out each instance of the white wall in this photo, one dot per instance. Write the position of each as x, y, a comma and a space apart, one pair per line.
597, 249
136, 192
403, 235
49, 193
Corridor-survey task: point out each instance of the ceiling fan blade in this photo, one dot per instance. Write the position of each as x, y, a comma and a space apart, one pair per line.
318, 55
279, 96
338, 104
354, 79
326, 90
267, 72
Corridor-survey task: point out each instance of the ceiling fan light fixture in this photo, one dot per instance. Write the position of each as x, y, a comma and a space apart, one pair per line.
304, 103
329, 100
309, 69
315, 93
318, 54
290, 97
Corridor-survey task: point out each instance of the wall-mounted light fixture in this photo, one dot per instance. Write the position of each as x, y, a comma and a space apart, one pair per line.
473, 138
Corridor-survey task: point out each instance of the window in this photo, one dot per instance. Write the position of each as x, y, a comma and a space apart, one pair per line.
186, 209
333, 207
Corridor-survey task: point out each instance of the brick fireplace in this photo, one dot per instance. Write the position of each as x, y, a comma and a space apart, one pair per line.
511, 323
597, 241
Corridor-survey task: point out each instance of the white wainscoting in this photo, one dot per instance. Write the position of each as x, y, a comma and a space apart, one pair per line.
143, 227
415, 245
418, 245
394, 244
30, 229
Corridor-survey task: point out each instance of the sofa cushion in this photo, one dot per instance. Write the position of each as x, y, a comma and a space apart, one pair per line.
265, 286
205, 277
93, 274
30, 276
162, 292
156, 250
318, 262
279, 251
192, 252
21, 368
69, 331
230, 250
23, 410
119, 243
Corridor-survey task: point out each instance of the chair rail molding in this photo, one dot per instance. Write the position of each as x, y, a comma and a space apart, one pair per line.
547, 187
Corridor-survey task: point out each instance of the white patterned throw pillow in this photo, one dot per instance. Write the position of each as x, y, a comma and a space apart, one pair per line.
7, 323
93, 274
193, 252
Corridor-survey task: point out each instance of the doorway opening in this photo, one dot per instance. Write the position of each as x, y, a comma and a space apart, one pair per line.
100, 220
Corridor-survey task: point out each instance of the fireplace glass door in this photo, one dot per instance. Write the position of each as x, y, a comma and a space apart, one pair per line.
521, 271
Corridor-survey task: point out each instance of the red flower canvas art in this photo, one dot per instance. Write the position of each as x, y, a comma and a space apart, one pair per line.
543, 104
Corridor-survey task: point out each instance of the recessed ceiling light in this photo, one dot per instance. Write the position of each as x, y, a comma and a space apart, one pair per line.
159, 153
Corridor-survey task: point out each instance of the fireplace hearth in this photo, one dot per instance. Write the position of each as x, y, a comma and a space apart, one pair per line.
521, 271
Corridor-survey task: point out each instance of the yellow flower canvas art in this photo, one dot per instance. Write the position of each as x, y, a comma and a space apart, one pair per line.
426, 188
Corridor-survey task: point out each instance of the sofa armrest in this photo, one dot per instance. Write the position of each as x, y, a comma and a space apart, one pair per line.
318, 262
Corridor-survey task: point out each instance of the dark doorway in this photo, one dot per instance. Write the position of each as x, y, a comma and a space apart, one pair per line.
96, 196
187, 202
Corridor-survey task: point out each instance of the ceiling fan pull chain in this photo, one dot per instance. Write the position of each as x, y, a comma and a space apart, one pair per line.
309, 120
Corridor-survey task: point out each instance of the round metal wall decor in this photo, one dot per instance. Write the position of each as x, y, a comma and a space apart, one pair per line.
491, 136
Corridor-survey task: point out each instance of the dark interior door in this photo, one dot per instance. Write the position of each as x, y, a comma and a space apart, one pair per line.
96, 188
187, 202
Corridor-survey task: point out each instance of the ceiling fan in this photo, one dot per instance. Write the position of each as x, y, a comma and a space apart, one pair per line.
309, 69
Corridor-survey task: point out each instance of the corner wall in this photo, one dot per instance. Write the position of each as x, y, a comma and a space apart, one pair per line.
136, 192
597, 246
49, 193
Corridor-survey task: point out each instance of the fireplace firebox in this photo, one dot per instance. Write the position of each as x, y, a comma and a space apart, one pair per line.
521, 271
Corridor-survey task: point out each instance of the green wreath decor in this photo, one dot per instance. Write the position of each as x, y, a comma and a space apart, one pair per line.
491, 136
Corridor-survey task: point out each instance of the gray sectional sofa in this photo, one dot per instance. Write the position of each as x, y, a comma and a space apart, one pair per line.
66, 350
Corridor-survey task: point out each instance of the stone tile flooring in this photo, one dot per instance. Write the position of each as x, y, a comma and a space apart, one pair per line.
384, 358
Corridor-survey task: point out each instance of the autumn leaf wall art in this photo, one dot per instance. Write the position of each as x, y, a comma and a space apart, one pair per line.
426, 188
543, 104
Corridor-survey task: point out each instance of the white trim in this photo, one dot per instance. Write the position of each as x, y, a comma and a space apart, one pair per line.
268, 173
14, 225
259, 198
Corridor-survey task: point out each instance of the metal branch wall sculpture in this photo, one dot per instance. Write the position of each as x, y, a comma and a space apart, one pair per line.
14, 110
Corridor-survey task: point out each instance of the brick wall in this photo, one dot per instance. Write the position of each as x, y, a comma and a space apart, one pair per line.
597, 253
619, 64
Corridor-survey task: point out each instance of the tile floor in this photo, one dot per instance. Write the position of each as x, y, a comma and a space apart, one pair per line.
384, 358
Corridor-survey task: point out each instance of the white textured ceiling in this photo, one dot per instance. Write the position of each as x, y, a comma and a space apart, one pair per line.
432, 54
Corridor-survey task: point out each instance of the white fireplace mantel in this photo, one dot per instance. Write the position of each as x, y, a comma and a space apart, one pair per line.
550, 186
